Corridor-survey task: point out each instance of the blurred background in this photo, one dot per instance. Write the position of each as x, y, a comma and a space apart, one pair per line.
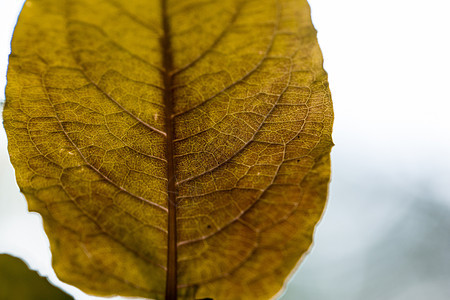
386, 231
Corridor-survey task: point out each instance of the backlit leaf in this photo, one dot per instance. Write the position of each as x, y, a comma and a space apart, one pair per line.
19, 282
164, 138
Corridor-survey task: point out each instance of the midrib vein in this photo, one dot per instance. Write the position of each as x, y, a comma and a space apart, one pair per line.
171, 278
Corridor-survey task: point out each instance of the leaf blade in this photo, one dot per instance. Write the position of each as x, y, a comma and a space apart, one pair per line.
252, 121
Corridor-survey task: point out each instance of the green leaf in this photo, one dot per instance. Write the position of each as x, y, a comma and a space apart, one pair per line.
19, 282
179, 142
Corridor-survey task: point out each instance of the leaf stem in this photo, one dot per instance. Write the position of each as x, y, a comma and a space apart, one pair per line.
171, 279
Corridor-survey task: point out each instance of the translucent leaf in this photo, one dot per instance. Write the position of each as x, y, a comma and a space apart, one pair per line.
179, 142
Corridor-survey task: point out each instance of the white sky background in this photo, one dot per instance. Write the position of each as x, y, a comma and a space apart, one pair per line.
389, 72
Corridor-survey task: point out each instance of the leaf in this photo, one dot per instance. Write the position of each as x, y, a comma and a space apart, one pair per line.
19, 282
184, 142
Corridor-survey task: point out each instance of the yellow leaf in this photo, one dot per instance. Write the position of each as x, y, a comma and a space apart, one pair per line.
184, 142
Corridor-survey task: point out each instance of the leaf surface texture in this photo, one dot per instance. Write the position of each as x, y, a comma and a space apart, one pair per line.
114, 108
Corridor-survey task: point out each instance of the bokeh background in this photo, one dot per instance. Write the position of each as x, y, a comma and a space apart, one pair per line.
386, 231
